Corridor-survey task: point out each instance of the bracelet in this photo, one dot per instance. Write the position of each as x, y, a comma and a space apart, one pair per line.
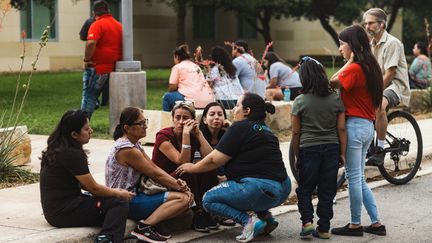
186, 146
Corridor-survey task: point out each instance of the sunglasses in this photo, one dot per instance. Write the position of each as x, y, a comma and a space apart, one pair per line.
308, 58
184, 102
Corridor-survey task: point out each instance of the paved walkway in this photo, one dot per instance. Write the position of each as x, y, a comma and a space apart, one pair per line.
21, 218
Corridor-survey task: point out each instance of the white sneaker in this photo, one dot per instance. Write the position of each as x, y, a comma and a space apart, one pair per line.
254, 227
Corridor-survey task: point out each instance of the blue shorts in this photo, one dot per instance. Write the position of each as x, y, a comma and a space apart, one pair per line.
142, 205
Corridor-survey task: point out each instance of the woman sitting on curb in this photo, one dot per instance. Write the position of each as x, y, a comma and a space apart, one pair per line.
257, 178
126, 162
64, 172
177, 145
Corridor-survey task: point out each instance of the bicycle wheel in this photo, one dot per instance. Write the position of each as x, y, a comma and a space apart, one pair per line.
293, 159
404, 148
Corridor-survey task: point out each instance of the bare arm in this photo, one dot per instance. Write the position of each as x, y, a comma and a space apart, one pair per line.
295, 136
88, 183
172, 87
142, 163
342, 136
89, 49
205, 147
272, 83
389, 75
212, 161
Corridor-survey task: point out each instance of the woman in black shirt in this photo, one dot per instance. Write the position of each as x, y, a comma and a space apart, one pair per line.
64, 172
253, 166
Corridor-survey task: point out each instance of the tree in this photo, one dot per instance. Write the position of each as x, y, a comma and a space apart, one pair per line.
257, 13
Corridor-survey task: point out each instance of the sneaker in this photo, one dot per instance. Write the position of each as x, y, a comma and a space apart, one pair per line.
162, 231
381, 230
377, 158
212, 223
272, 224
321, 235
226, 222
347, 231
199, 222
103, 239
307, 230
147, 233
254, 227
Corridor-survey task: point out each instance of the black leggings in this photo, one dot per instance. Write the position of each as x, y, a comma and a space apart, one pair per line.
110, 213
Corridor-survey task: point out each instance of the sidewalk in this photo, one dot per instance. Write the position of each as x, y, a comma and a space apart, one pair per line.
21, 218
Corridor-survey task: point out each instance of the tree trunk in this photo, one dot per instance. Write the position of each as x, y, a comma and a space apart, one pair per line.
394, 12
326, 25
181, 17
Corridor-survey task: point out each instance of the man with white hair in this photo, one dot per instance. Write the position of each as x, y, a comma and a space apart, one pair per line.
389, 52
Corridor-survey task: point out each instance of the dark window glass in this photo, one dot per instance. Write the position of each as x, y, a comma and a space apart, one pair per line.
204, 22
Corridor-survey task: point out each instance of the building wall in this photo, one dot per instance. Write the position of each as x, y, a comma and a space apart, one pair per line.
155, 37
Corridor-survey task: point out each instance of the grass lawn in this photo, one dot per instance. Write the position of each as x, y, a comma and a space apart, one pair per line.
51, 94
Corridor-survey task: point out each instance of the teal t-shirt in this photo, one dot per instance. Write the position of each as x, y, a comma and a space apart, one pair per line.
318, 117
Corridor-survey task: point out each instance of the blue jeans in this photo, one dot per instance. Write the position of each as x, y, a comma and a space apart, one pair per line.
360, 134
169, 99
92, 87
232, 199
142, 205
318, 167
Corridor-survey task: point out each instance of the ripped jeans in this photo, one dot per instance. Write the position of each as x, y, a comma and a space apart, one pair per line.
232, 199
92, 88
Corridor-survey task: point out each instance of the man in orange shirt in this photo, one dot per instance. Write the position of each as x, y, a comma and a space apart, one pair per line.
103, 50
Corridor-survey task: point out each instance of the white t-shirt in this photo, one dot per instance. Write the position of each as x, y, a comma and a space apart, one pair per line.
285, 75
225, 88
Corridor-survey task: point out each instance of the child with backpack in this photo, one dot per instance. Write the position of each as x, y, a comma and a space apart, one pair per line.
319, 142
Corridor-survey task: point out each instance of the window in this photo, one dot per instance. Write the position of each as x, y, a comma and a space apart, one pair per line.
203, 22
114, 7
245, 30
36, 16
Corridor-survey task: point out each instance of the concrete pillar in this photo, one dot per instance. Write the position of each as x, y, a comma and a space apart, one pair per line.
128, 83
126, 89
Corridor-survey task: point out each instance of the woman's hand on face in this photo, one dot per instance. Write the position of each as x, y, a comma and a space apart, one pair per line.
189, 126
184, 168
124, 194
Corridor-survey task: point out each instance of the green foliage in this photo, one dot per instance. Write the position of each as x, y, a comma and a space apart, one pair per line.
427, 99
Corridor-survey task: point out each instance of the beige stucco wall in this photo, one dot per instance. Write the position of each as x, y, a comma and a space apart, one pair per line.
155, 37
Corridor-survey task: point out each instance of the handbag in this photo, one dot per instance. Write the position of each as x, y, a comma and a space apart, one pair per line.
148, 186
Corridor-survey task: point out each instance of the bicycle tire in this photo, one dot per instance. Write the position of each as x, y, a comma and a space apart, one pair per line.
404, 154
292, 160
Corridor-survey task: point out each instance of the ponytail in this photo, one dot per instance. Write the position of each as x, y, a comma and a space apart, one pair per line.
270, 108
118, 132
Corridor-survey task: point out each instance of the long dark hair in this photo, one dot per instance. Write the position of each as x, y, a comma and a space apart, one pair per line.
358, 41
204, 128
314, 79
221, 56
272, 57
241, 46
182, 52
258, 107
61, 139
128, 116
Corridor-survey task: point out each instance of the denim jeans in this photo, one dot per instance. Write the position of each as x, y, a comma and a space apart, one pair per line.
92, 87
360, 133
318, 167
232, 199
169, 99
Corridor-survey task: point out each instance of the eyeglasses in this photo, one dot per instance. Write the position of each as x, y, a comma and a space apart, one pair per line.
308, 58
369, 23
142, 123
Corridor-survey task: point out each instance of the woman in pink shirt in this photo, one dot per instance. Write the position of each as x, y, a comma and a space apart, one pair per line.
186, 82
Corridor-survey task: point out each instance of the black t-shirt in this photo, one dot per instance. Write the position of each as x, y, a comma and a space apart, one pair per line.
254, 150
58, 185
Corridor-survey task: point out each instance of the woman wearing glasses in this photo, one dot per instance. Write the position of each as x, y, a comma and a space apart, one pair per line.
64, 171
126, 162
177, 145
257, 178
186, 82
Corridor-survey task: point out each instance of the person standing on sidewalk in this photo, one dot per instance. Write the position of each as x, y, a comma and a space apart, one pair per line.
64, 172
257, 177
319, 142
389, 52
361, 84
103, 50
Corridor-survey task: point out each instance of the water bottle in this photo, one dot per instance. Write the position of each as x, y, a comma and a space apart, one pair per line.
287, 94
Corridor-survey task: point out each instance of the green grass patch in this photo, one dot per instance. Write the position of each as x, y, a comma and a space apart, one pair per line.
51, 94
